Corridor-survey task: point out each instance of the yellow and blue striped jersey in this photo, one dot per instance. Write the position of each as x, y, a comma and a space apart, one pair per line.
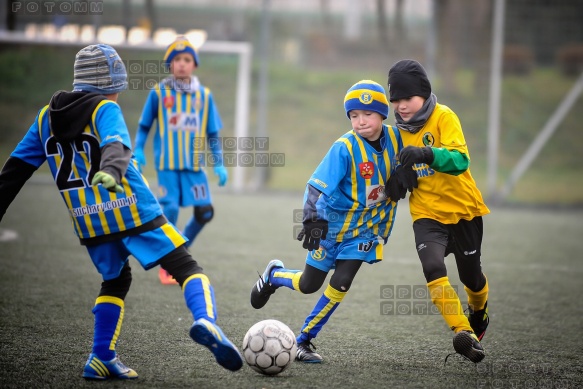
352, 176
94, 210
184, 119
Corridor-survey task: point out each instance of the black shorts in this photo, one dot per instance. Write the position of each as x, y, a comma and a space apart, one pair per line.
461, 239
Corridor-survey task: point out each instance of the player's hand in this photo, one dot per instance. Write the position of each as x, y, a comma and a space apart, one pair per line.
221, 172
402, 180
140, 157
312, 233
107, 181
411, 155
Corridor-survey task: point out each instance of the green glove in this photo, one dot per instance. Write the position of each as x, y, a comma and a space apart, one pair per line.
107, 181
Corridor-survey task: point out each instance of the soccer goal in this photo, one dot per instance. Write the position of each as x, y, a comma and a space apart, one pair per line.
83, 35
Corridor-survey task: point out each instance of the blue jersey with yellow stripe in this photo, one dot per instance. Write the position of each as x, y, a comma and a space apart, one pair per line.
94, 210
185, 119
352, 176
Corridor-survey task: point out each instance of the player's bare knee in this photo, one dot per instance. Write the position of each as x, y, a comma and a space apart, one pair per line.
204, 214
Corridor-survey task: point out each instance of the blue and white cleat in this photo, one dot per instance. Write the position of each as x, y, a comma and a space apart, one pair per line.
263, 289
212, 337
96, 369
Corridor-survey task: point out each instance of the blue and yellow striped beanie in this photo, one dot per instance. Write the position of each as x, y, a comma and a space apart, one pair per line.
180, 45
367, 95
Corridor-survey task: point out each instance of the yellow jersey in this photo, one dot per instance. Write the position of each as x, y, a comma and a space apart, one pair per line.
440, 196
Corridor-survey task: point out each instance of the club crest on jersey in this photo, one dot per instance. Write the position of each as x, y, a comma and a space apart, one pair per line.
365, 98
366, 169
428, 139
319, 255
169, 102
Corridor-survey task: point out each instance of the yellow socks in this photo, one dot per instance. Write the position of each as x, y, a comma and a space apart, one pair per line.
445, 298
477, 300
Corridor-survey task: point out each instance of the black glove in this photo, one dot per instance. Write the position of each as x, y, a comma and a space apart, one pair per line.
312, 233
402, 180
411, 155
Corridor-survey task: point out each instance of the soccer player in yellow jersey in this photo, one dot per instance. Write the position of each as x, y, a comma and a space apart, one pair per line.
446, 207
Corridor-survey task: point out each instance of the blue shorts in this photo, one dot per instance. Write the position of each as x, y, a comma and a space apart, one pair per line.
148, 248
183, 188
364, 249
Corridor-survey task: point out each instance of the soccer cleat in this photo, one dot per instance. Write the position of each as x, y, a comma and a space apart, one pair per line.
467, 344
166, 278
210, 335
96, 369
479, 321
263, 289
306, 354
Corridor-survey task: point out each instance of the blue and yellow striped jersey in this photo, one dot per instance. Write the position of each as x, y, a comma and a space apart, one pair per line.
352, 176
94, 210
184, 121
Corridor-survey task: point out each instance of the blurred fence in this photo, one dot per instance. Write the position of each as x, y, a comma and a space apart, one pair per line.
349, 33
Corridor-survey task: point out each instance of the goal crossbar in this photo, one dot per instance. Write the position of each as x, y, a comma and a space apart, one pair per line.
243, 50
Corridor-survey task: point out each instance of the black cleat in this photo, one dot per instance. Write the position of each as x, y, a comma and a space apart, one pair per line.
306, 354
479, 321
467, 344
263, 289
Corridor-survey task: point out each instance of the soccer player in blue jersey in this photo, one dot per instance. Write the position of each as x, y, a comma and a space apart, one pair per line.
187, 121
83, 137
347, 217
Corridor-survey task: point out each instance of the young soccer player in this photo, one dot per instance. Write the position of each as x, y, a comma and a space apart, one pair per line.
346, 218
83, 137
446, 207
187, 120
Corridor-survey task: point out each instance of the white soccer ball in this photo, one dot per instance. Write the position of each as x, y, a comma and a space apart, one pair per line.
269, 347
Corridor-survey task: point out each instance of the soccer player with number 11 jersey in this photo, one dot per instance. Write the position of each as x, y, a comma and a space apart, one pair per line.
187, 121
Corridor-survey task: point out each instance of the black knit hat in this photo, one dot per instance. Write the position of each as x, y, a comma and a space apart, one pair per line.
407, 78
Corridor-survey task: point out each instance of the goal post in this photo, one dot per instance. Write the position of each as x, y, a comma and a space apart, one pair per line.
244, 51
